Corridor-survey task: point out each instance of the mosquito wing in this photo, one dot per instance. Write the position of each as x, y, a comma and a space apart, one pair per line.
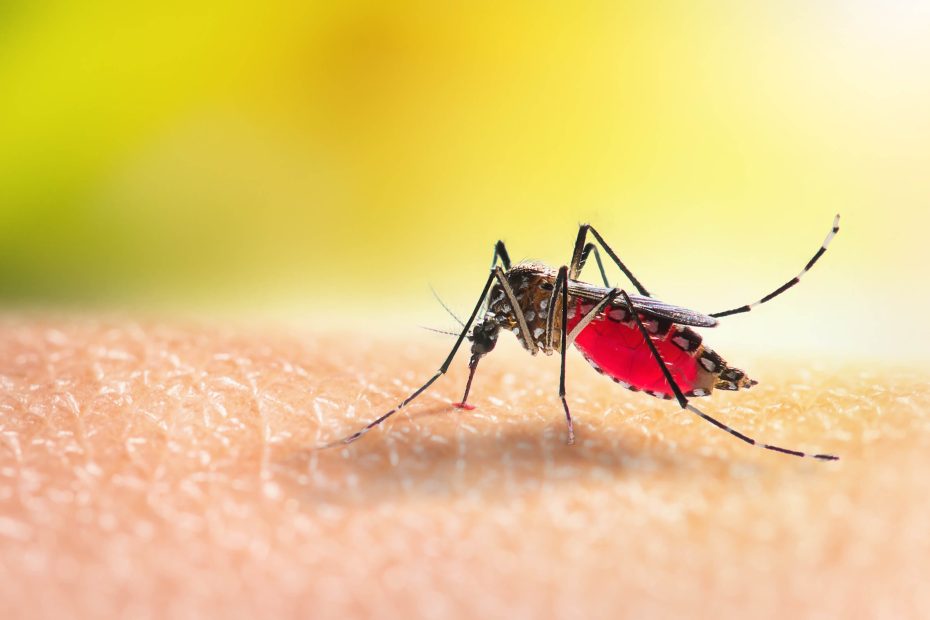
646, 305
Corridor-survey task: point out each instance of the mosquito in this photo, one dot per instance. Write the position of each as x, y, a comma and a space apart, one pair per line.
641, 343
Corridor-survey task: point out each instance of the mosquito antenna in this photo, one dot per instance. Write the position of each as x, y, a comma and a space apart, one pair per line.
443, 304
438, 331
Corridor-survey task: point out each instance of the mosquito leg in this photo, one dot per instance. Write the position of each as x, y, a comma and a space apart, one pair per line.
562, 286
551, 306
500, 253
784, 287
442, 370
577, 261
585, 320
566, 340
683, 401
503, 257
597, 256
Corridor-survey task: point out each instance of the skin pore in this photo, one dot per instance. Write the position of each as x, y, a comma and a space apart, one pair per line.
166, 468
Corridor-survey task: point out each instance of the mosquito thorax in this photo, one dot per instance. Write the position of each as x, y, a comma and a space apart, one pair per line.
531, 286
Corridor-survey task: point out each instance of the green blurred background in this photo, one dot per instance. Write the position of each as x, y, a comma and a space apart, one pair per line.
330, 160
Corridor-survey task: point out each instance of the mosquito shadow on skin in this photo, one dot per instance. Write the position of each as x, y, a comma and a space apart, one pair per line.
408, 417
496, 462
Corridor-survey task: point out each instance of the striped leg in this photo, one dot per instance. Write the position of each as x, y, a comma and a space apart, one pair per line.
683, 401
442, 370
784, 287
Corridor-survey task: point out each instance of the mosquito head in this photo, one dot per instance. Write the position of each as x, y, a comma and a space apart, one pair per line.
483, 338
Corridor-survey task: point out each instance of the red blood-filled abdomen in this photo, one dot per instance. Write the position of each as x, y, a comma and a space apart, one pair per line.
619, 351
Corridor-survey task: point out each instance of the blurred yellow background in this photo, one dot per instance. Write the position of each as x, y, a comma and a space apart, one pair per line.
332, 159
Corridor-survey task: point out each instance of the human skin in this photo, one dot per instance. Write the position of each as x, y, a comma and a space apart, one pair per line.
167, 468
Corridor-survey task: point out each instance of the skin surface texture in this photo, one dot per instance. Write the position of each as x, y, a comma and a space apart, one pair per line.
156, 469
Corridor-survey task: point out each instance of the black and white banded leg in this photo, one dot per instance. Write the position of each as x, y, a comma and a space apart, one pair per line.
442, 370
784, 287
578, 262
683, 401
